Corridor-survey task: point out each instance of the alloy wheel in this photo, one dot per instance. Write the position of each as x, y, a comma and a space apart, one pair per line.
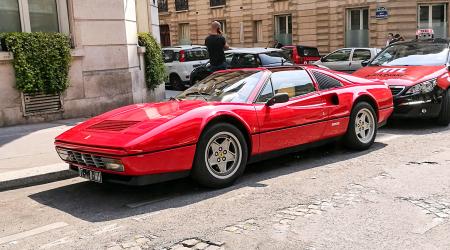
223, 155
365, 125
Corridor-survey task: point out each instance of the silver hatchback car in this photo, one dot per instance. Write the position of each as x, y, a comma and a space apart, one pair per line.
348, 59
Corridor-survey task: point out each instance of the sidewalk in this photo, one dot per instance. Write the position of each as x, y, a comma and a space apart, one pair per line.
27, 154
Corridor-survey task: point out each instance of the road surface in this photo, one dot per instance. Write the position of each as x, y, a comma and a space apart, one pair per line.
394, 196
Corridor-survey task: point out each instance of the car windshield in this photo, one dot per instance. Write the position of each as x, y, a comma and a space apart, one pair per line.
413, 54
234, 86
274, 58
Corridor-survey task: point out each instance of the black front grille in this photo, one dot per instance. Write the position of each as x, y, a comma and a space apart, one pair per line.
396, 90
84, 159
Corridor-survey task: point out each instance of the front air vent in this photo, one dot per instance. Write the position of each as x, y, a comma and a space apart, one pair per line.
113, 125
37, 104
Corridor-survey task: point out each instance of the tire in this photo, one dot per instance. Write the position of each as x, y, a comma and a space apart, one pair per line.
175, 82
359, 126
210, 169
444, 115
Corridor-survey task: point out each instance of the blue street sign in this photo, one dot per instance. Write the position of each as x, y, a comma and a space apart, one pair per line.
381, 13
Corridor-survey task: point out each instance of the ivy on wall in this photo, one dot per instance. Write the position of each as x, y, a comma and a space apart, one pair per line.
154, 64
41, 61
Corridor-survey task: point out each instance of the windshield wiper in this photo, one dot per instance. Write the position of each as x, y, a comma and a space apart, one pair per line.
198, 93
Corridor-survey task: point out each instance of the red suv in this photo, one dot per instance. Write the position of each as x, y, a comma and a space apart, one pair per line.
302, 54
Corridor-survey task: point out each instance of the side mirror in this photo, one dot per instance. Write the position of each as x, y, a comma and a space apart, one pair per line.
278, 98
322, 59
365, 63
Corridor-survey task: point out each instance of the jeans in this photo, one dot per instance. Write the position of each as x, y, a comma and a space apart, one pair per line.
222, 66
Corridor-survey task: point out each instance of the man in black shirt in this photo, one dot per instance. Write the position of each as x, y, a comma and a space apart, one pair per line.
216, 45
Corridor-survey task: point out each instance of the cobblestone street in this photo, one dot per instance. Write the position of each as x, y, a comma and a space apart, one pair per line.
393, 196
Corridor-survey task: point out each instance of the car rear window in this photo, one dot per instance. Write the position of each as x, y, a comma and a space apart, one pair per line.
196, 54
308, 51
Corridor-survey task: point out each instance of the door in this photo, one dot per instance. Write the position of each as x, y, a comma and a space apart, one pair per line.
298, 121
165, 35
338, 60
358, 56
357, 32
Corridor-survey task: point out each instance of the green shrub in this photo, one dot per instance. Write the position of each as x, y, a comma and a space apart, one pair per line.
154, 64
41, 61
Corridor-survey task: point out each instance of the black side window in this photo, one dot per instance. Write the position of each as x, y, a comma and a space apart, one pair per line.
326, 82
168, 56
244, 61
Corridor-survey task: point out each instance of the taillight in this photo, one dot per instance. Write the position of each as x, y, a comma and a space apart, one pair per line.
182, 56
297, 60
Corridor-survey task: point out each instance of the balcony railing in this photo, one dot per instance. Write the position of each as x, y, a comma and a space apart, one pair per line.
214, 3
181, 5
163, 6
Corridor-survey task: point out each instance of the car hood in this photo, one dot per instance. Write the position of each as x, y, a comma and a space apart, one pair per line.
122, 128
400, 75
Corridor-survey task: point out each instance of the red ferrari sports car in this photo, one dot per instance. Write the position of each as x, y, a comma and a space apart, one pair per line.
233, 117
418, 75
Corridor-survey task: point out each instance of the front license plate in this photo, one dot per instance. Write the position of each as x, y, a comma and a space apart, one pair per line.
90, 175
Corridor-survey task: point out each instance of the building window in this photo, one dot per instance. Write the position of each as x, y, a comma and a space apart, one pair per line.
181, 5
34, 16
164, 33
9, 16
163, 6
257, 31
283, 29
184, 34
433, 16
223, 27
215, 3
357, 33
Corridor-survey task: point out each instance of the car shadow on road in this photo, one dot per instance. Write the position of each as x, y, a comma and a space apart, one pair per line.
413, 127
99, 202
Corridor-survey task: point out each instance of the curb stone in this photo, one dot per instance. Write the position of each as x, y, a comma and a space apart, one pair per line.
35, 176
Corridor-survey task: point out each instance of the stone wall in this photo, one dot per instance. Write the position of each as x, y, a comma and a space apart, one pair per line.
315, 22
106, 70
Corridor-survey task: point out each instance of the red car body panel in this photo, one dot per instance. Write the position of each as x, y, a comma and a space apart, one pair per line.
405, 75
161, 137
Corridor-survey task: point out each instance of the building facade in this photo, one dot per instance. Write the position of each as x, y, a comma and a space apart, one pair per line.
327, 24
107, 64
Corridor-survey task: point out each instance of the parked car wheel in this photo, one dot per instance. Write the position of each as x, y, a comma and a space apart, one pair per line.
362, 128
221, 156
175, 82
444, 116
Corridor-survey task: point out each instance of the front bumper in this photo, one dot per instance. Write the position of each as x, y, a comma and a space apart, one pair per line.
140, 169
418, 106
